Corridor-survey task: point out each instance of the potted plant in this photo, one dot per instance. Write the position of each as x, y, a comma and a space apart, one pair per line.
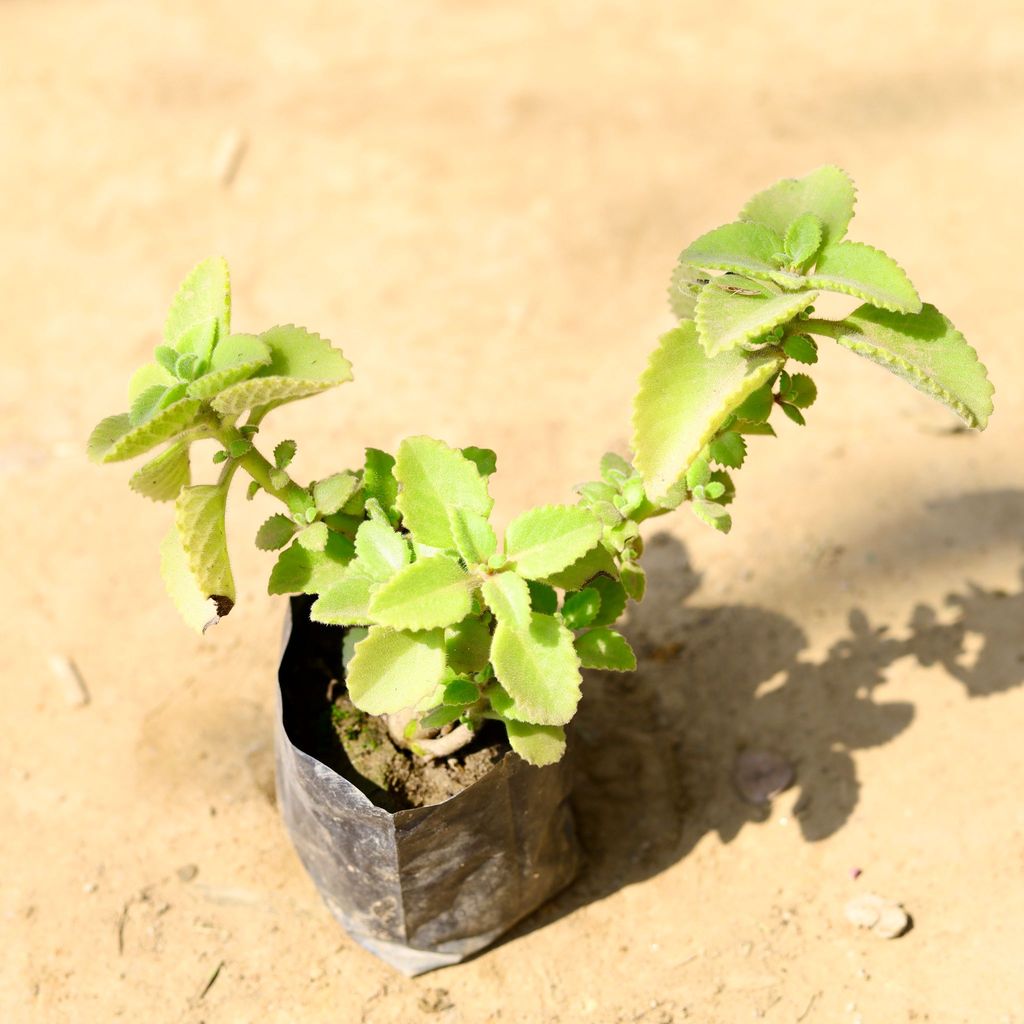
431, 668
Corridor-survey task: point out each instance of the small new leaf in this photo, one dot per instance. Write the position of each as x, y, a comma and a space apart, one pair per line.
201, 310
275, 533
605, 649
331, 493
803, 239
485, 460
728, 449
801, 348
284, 453
313, 537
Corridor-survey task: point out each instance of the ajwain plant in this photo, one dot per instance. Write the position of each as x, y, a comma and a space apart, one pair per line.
450, 626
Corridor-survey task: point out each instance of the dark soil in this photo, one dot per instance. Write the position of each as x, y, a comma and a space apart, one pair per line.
322, 721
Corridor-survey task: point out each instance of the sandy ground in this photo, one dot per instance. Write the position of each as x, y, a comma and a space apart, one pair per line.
480, 203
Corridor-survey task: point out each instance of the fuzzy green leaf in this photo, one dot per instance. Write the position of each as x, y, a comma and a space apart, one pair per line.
542, 597
298, 571
461, 692
539, 669
201, 311
757, 408
107, 445
605, 649
854, 268
199, 610
800, 390
827, 192
146, 405
379, 481
801, 348
331, 493
580, 608
728, 449
313, 537
429, 593
485, 460
713, 513
508, 596
275, 533
683, 289
345, 602
538, 745
685, 397
803, 239
199, 517
284, 452
927, 351
742, 248
634, 580
468, 645
473, 535
392, 671
727, 319
437, 719
435, 478
235, 359
613, 600
574, 576
149, 376
381, 550
302, 363
164, 476
795, 415
546, 540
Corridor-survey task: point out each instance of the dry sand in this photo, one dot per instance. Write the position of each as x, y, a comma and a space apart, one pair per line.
481, 204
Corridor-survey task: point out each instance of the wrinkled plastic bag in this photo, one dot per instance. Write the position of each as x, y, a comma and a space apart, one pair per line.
429, 886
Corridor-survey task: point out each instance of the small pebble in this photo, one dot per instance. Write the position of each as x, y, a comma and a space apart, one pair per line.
760, 775
187, 872
884, 918
855, 873
89, 887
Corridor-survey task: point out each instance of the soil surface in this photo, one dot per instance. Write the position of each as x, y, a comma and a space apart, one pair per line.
481, 204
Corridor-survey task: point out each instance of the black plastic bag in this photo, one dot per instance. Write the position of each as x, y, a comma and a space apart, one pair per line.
429, 886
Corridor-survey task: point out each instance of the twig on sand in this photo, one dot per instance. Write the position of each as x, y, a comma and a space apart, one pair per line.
213, 978
66, 672
807, 1009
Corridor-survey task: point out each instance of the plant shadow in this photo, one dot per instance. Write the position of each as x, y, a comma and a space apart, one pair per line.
655, 749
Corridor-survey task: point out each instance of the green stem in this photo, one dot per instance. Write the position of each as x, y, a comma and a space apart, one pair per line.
818, 325
260, 469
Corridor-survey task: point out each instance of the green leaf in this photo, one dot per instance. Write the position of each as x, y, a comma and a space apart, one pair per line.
167, 358
345, 602
379, 481
580, 608
468, 645
683, 289
801, 348
331, 493
284, 453
803, 239
854, 268
542, 597
605, 649
613, 600
615, 469
794, 414
437, 719
685, 397
508, 596
757, 408
105, 434
149, 376
461, 692
827, 192
713, 513
236, 358
138, 440
197, 609
201, 311
302, 363
298, 571
146, 405
199, 517
484, 459
392, 671
435, 478
800, 390
928, 352
275, 533
313, 537
429, 593
634, 580
573, 577
546, 540
728, 449
539, 669
727, 319
538, 745
741, 248
381, 550
163, 477
473, 535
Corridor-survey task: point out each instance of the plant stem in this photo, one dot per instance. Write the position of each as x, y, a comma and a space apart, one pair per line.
819, 325
260, 469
